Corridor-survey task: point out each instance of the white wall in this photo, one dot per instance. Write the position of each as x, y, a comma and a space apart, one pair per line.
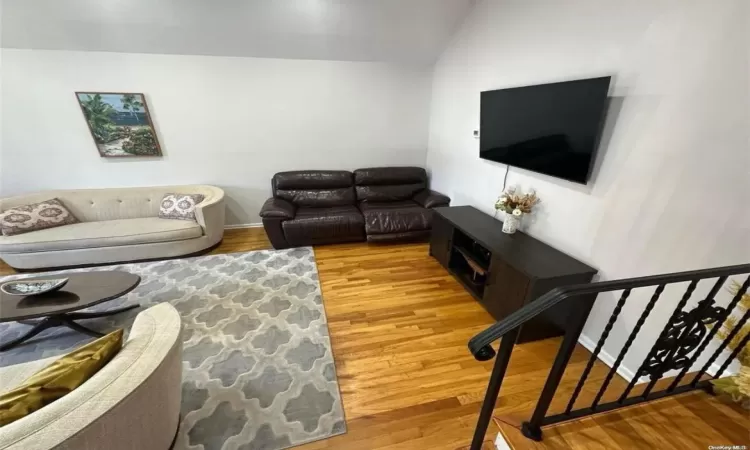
232, 122
671, 188
1, 96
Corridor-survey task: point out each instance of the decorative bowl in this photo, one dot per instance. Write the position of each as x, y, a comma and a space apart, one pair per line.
32, 287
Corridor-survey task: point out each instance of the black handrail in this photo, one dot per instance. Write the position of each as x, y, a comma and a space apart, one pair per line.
484, 338
677, 341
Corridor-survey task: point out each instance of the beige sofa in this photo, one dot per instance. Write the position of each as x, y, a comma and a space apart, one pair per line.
132, 403
116, 225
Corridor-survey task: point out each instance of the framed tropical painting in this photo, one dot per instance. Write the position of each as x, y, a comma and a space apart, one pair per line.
119, 123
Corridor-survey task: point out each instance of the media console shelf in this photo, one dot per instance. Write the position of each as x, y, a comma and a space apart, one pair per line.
505, 271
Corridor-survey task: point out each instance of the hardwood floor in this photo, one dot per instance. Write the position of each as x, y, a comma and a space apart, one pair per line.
5, 269
399, 327
693, 420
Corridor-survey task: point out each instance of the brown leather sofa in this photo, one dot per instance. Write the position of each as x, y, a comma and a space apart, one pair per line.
331, 206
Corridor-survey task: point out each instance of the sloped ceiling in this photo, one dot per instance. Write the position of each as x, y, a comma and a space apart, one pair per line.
413, 31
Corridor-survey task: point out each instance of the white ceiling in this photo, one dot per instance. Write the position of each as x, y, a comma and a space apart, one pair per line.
412, 31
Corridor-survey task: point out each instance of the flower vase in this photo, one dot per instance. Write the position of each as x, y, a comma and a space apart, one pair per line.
511, 223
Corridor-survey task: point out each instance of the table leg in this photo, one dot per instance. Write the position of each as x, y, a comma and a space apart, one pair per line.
38, 328
66, 320
95, 315
79, 328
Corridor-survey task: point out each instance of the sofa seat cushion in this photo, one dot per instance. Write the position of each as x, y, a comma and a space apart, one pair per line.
395, 217
336, 223
107, 233
13, 375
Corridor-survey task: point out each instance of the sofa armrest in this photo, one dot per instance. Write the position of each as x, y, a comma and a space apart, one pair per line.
139, 389
210, 215
431, 199
277, 208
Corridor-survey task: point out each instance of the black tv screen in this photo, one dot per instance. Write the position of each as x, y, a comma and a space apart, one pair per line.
549, 128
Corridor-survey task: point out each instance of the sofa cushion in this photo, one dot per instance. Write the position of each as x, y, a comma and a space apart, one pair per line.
392, 193
387, 184
314, 188
380, 176
179, 206
317, 224
36, 216
318, 198
14, 375
395, 217
312, 179
107, 233
59, 378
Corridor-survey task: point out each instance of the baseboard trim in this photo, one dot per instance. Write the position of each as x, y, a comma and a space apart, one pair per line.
608, 359
628, 374
240, 226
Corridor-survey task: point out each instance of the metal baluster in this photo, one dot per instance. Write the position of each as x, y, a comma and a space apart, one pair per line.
652, 352
723, 345
493, 387
729, 360
599, 345
532, 429
628, 343
710, 298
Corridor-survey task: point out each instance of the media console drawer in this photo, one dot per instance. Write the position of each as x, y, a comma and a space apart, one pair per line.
505, 271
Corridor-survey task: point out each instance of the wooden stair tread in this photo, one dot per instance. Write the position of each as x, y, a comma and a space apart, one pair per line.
692, 420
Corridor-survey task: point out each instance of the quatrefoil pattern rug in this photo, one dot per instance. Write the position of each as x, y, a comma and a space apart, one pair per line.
258, 372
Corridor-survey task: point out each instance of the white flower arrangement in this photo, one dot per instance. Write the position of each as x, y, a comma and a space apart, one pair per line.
516, 204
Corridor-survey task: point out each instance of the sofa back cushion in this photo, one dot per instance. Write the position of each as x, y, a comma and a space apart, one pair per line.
315, 188
94, 205
389, 184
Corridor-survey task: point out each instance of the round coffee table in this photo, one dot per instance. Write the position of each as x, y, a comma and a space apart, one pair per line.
57, 308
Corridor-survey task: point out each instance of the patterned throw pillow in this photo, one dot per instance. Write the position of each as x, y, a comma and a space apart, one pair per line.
179, 206
37, 216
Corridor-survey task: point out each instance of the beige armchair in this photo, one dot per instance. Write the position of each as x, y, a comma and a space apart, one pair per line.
116, 225
131, 403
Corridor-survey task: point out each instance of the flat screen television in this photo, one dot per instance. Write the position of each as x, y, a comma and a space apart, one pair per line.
548, 128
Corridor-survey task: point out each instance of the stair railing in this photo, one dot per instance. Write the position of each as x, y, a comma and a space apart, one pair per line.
681, 342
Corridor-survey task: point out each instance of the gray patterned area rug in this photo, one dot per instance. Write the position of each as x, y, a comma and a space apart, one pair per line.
258, 372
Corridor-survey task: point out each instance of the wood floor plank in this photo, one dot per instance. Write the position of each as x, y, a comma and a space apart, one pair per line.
399, 326
685, 421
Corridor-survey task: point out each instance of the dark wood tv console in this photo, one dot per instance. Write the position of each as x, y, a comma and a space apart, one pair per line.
505, 271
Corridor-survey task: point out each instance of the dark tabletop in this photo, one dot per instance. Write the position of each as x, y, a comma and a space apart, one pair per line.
82, 291
527, 254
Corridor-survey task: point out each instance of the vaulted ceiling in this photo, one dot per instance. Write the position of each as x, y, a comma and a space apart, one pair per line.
413, 31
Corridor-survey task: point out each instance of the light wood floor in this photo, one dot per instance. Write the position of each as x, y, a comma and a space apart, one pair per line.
399, 327
695, 420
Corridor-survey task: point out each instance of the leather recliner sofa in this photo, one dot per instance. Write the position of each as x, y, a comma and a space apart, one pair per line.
332, 206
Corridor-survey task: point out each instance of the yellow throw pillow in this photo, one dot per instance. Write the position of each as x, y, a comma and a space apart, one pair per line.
59, 378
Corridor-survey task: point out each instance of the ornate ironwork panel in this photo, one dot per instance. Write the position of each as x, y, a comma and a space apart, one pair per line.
681, 337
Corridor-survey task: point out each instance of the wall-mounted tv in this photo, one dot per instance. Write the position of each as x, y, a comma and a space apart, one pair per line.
548, 128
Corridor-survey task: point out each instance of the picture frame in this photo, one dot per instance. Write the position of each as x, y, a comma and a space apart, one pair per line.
120, 124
